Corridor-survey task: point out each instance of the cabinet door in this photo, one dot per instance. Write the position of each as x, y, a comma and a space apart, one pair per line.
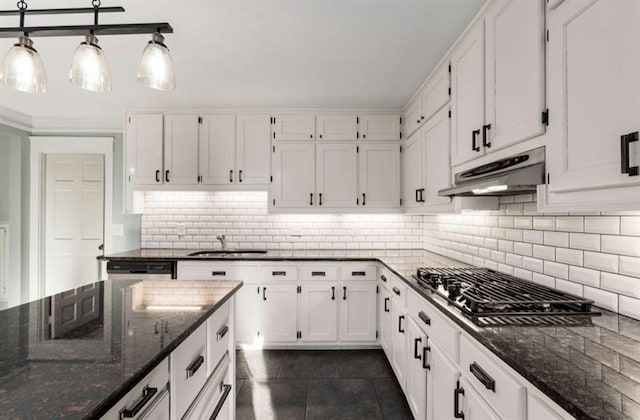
437, 91
379, 175
336, 174
279, 313
467, 104
514, 72
386, 335
253, 150
357, 312
379, 127
437, 157
218, 149
145, 148
159, 409
412, 171
340, 127
319, 312
594, 92
416, 390
294, 175
399, 338
473, 406
294, 127
412, 117
247, 313
440, 385
181, 149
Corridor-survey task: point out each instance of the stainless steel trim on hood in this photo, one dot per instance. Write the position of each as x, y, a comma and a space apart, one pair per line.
516, 174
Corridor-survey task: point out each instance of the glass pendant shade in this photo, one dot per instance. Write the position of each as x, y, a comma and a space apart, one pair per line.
90, 69
156, 66
22, 68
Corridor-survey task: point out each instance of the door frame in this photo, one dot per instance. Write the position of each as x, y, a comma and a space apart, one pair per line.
39, 148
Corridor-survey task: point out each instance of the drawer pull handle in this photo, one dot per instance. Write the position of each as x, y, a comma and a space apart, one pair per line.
416, 355
344, 292
396, 291
278, 273
218, 273
456, 404
358, 273
157, 176
222, 332
194, 366
425, 350
424, 317
386, 306
318, 273
383, 278
226, 389
400, 319
333, 293
147, 395
482, 376
264, 293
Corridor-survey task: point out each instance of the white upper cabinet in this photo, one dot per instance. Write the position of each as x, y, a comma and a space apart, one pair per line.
253, 149
336, 175
515, 73
412, 172
437, 158
217, 149
294, 127
379, 175
437, 91
379, 127
294, 175
340, 127
181, 149
467, 86
594, 96
145, 148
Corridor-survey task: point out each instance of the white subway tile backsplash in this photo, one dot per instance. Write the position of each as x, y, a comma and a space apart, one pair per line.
584, 241
584, 276
629, 286
544, 252
544, 223
569, 256
570, 224
544, 280
603, 299
629, 306
556, 239
610, 225
630, 225
523, 274
629, 266
599, 261
623, 245
523, 249
533, 264
533, 236
523, 222
556, 269
569, 287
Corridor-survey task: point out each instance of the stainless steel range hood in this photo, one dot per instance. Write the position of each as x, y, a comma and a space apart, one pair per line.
518, 174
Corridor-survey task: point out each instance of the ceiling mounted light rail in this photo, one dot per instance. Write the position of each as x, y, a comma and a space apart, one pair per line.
22, 68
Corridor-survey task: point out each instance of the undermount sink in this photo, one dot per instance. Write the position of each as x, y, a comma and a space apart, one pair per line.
219, 252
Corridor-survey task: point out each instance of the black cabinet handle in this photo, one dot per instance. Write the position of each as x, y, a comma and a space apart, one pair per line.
358, 273
474, 147
231, 175
333, 293
422, 190
424, 317
400, 328
422, 118
218, 273
625, 140
383, 278
221, 333
320, 135
226, 390
425, 350
416, 355
311, 199
320, 203
264, 293
279, 273
364, 136
344, 292
194, 366
418, 121
310, 136
147, 395
482, 376
456, 405
396, 291
485, 137
318, 273
386, 306
417, 196
158, 175
240, 175
364, 199
166, 175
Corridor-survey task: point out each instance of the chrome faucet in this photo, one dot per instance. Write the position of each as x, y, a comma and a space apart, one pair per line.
223, 241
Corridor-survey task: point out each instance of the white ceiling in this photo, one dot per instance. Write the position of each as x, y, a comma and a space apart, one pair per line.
253, 53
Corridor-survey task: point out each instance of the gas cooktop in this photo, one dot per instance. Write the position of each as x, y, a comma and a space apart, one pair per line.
492, 299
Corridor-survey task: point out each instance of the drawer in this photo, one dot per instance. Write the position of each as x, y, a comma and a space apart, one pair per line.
213, 396
152, 389
398, 289
384, 277
358, 272
319, 272
188, 371
205, 270
219, 335
493, 382
416, 306
435, 324
279, 272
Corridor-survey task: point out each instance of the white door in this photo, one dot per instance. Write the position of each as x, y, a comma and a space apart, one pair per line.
294, 127
336, 174
412, 171
217, 149
399, 347
357, 311
279, 313
514, 72
385, 321
383, 127
294, 175
437, 91
379, 175
473, 406
340, 127
594, 92
441, 383
181, 149
247, 313
467, 101
412, 117
74, 220
416, 390
253, 150
437, 157
319, 311
145, 148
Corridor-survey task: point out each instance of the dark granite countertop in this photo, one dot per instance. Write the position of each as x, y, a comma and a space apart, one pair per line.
593, 372
56, 365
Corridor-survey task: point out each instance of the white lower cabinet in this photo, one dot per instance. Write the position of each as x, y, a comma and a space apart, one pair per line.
213, 397
399, 341
417, 370
247, 317
318, 312
441, 385
358, 312
384, 309
471, 405
279, 312
159, 409
188, 371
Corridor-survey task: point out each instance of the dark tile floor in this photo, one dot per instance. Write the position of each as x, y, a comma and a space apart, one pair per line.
312, 384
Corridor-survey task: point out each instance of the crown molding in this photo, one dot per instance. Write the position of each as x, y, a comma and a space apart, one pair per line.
57, 125
15, 119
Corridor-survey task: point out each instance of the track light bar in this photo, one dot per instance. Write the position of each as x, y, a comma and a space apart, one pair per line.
80, 30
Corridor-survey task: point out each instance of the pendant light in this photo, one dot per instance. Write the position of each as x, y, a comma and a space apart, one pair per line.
89, 68
22, 68
155, 69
